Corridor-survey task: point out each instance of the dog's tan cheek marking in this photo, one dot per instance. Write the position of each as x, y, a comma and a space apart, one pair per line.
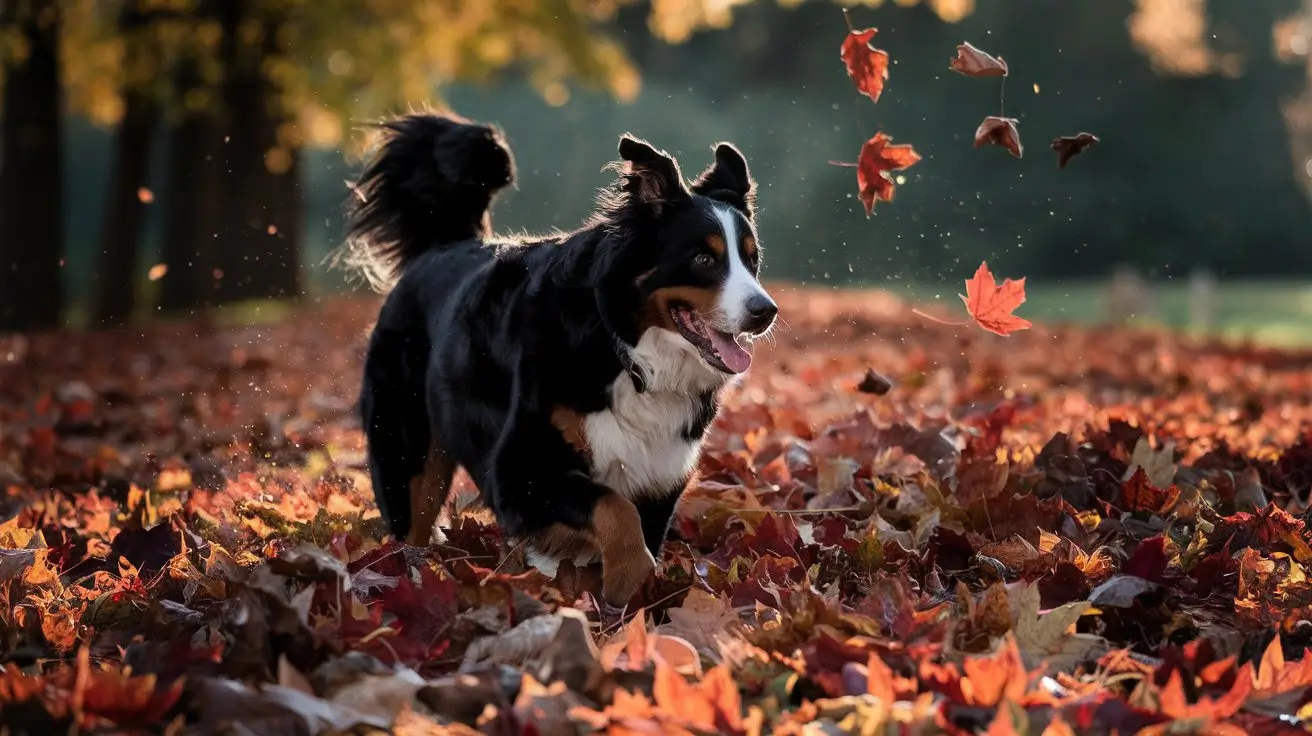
658, 305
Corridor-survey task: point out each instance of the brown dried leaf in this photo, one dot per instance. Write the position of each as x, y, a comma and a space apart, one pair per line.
999, 132
1069, 146
972, 62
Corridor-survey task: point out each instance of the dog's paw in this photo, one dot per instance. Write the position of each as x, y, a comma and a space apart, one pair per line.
623, 575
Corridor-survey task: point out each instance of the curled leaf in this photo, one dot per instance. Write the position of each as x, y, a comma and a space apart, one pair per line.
1070, 146
972, 62
999, 132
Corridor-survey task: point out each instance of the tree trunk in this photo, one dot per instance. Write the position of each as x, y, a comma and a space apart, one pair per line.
114, 280
191, 190
260, 247
31, 181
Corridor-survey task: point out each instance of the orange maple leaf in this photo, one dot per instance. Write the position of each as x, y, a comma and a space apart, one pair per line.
991, 306
872, 166
713, 705
866, 65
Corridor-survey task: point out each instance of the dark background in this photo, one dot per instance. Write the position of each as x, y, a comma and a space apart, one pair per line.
215, 137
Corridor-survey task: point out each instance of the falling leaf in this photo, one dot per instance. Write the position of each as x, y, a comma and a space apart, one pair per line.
999, 132
1069, 146
866, 65
876, 160
157, 271
145, 196
873, 383
972, 62
991, 306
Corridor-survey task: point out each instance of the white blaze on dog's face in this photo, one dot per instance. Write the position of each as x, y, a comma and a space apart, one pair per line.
744, 305
705, 287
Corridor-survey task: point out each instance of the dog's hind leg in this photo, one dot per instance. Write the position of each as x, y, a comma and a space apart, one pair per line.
396, 424
428, 494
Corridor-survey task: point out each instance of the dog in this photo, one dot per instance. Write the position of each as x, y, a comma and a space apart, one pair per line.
572, 375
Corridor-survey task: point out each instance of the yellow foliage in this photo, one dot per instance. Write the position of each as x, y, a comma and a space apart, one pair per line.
337, 63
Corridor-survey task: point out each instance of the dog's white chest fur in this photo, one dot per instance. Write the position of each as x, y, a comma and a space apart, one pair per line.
638, 447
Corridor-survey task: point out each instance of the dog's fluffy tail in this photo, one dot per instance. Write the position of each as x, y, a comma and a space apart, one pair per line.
429, 184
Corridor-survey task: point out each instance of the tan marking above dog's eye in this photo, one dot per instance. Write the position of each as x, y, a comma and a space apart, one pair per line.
717, 245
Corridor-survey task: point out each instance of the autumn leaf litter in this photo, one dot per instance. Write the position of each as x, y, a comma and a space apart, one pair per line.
1063, 527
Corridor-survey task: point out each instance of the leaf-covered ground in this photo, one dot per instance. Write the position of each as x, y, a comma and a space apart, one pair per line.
1071, 531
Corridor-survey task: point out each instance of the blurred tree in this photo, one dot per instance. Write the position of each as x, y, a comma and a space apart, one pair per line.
193, 176
249, 83
114, 285
243, 86
31, 183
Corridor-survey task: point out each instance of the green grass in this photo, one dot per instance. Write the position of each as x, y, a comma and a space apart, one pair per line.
1267, 312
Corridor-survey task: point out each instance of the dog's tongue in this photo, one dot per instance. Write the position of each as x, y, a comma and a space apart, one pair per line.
734, 356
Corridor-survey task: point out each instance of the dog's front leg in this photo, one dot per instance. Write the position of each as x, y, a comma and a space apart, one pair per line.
541, 492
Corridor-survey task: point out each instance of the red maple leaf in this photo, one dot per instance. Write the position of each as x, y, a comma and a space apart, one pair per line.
872, 166
866, 65
991, 306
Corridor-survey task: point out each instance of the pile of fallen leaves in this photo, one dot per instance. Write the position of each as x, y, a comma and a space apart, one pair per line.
899, 527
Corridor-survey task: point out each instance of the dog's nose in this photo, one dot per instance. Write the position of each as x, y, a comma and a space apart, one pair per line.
761, 311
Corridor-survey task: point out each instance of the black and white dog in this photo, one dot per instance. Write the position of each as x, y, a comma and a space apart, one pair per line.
572, 375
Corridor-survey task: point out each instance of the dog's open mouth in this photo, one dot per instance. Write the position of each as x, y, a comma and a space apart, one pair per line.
720, 349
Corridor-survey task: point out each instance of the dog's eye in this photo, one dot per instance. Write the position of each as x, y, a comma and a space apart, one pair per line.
705, 260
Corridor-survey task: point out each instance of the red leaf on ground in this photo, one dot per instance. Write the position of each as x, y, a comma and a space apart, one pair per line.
1139, 494
1149, 560
877, 159
866, 65
991, 305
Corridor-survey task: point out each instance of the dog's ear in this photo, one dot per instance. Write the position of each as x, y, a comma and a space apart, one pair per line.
651, 176
728, 180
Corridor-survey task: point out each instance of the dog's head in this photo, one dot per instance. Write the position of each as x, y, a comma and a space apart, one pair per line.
690, 255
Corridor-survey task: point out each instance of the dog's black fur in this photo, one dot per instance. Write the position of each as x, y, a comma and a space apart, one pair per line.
483, 345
